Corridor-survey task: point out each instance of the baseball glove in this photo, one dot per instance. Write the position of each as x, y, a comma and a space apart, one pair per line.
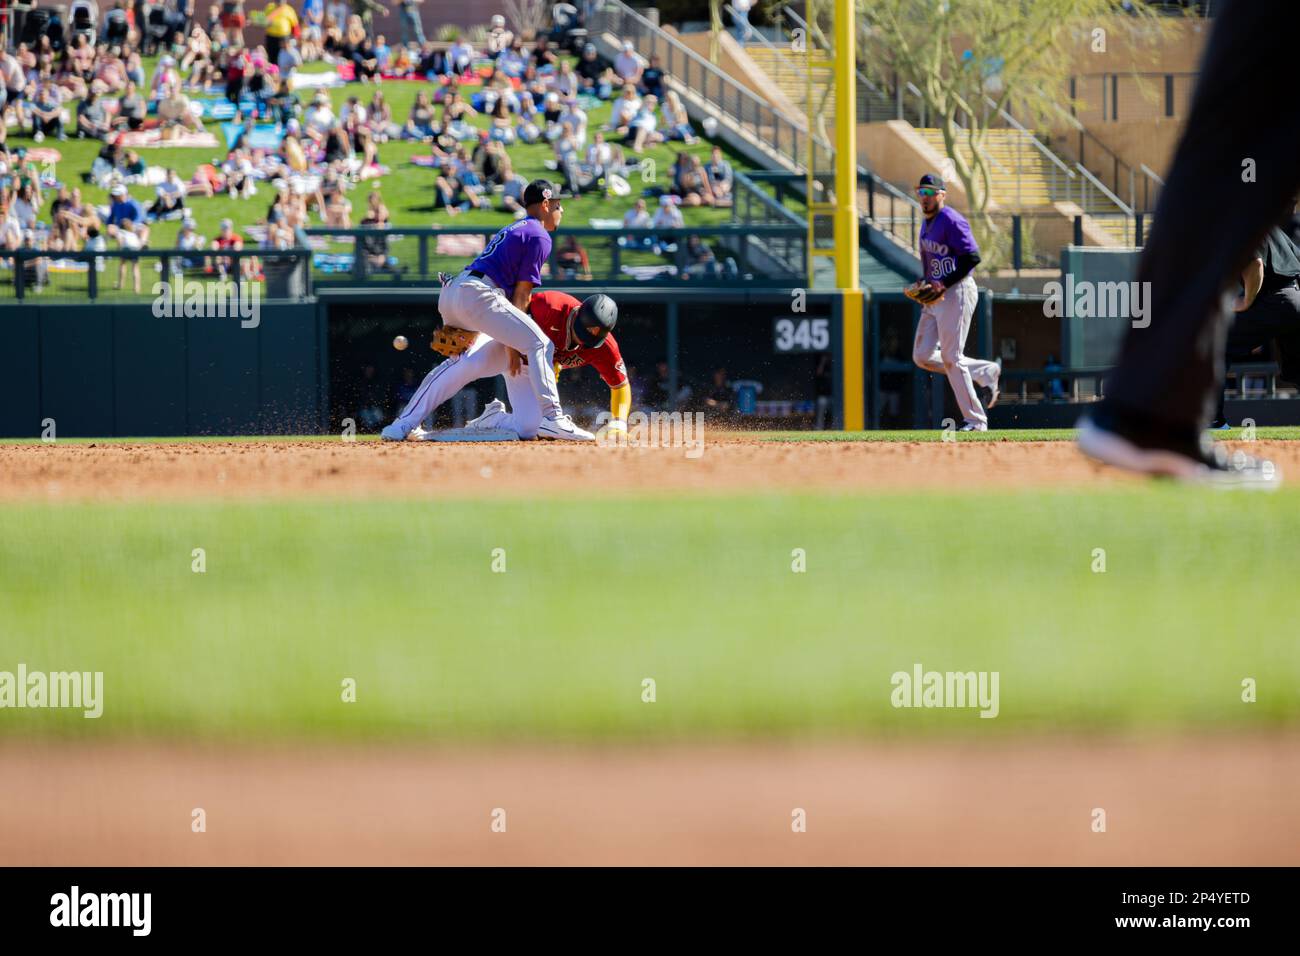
451, 341
921, 291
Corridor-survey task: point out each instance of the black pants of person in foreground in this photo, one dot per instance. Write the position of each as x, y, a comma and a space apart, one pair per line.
1234, 174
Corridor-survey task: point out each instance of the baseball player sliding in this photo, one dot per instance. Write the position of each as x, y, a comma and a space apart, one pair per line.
491, 297
579, 333
947, 292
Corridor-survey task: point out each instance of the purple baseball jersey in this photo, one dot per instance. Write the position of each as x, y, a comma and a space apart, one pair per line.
515, 254
943, 239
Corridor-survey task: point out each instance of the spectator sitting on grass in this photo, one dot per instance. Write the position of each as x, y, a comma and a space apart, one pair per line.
319, 117
503, 128
174, 114
677, 124
92, 121
594, 77
336, 208
576, 116
642, 127
668, 216
164, 76
512, 196
420, 121
499, 38
170, 203
652, 79
638, 217
289, 59
47, 114
198, 50
544, 58
122, 208
600, 156
131, 109
627, 67
691, 182
238, 168
72, 217
188, 240
379, 119
720, 176
455, 117
24, 206
565, 81
623, 111
283, 103
512, 62
460, 56
454, 195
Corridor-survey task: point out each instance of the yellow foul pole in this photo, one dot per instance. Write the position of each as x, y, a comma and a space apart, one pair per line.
846, 214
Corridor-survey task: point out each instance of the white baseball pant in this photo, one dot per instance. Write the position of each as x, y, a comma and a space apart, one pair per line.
486, 358
940, 343
476, 304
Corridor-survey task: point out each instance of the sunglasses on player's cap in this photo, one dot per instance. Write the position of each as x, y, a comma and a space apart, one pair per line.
930, 185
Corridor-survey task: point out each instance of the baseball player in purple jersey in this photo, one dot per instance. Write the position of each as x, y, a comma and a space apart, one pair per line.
491, 296
948, 257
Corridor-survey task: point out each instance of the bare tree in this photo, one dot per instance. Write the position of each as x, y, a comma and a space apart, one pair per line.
527, 17
972, 58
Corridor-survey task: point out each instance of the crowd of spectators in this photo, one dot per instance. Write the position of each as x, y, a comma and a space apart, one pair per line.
213, 81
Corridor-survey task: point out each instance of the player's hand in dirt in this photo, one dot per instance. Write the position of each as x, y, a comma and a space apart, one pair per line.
613, 434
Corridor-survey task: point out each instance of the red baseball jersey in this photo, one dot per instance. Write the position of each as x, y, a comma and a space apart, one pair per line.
550, 310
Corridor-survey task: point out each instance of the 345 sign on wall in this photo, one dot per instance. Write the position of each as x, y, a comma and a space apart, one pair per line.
801, 335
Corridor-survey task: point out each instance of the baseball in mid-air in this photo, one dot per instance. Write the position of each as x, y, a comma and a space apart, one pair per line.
400, 343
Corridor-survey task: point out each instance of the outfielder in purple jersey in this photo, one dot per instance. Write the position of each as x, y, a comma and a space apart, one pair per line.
944, 239
948, 255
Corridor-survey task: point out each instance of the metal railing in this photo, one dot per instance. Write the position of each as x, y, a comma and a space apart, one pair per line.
110, 274
706, 90
880, 203
759, 253
872, 103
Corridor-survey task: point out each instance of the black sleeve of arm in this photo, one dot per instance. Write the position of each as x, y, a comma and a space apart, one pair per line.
965, 263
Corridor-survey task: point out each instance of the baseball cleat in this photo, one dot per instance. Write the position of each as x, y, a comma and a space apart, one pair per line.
1210, 465
491, 412
562, 428
972, 427
393, 432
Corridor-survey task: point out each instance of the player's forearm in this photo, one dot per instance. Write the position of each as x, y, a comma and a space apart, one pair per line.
620, 403
966, 263
523, 292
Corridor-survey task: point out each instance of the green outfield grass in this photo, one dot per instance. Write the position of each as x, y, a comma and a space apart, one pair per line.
697, 594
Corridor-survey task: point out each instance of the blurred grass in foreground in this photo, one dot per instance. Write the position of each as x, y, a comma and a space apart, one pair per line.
698, 595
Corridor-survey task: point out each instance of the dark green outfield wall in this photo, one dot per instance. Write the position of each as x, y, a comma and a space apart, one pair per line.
117, 370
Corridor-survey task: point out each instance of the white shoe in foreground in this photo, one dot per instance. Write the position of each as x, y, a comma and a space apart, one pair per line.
393, 432
563, 429
491, 412
1229, 471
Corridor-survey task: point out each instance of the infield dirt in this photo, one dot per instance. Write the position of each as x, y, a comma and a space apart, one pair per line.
730, 466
